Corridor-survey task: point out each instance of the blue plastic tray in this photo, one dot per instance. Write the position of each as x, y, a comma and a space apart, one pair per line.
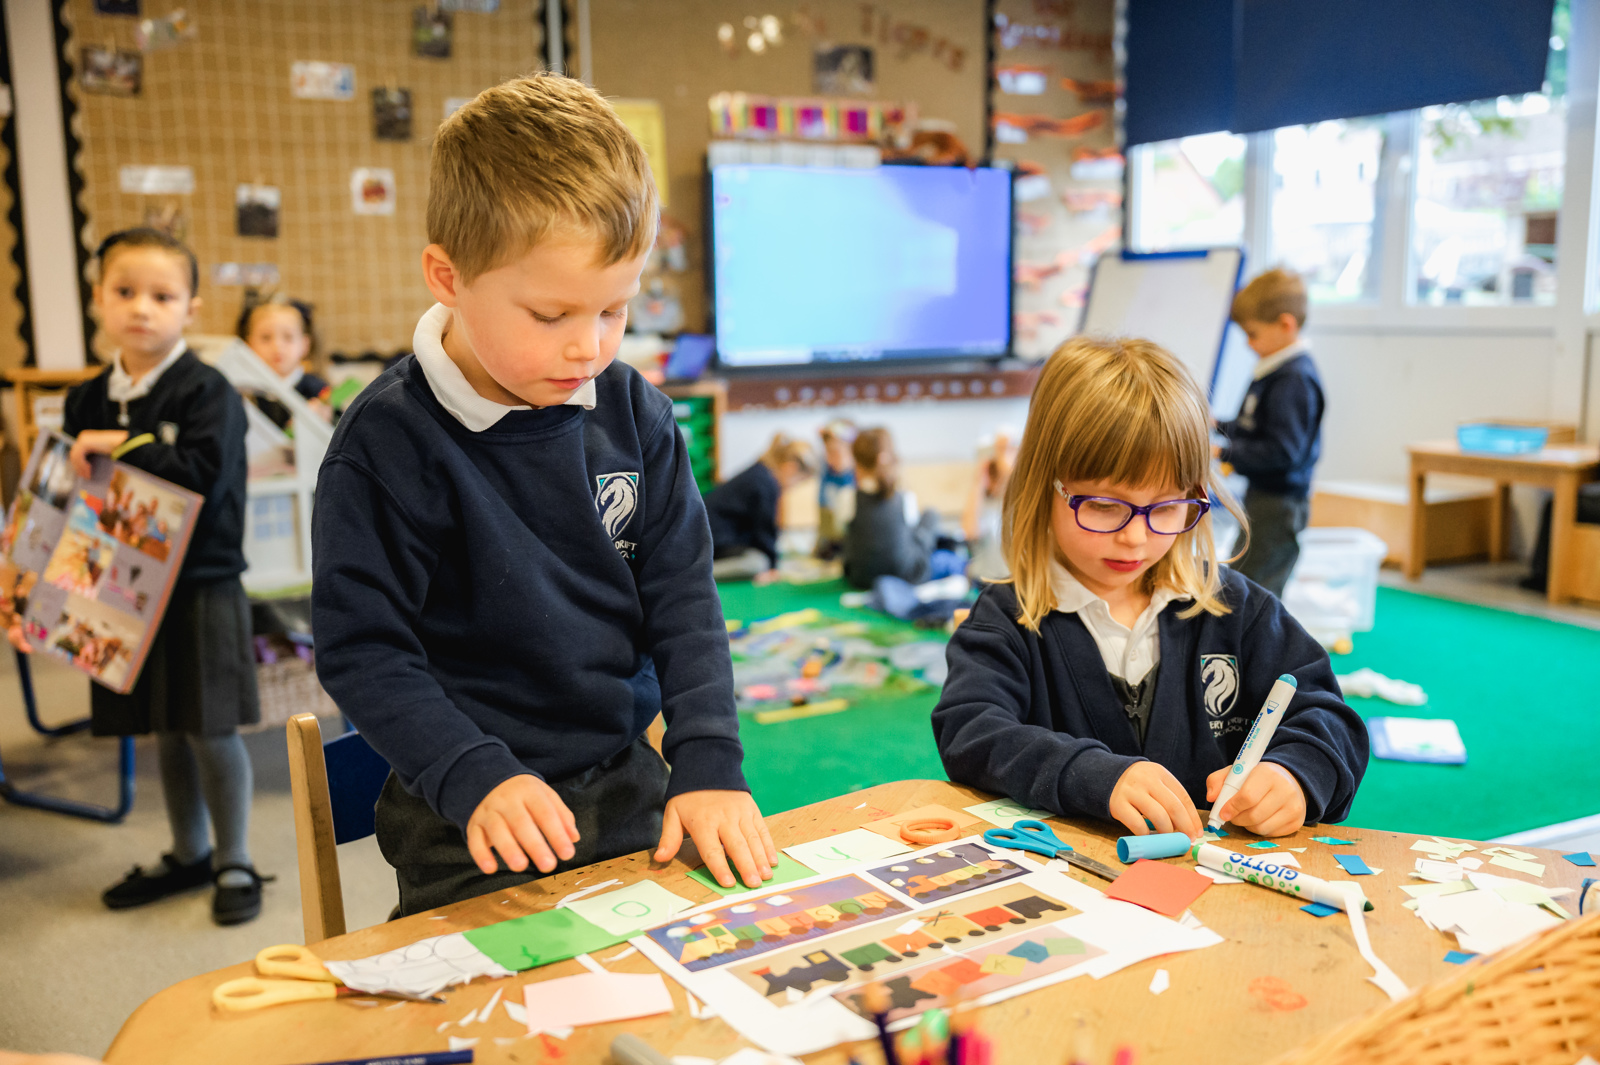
1501, 439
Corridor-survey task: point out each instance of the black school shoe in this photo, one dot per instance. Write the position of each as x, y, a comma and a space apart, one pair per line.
236, 905
170, 878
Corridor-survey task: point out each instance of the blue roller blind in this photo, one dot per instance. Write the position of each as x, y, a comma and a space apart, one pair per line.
1198, 66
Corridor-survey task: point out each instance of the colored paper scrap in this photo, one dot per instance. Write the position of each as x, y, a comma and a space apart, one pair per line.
627, 910
1166, 889
1333, 841
1058, 945
1317, 909
1260, 844
1580, 858
1005, 812
1458, 957
847, 849
1160, 981
1030, 951
1451, 887
785, 871
594, 998
540, 938
1518, 865
1005, 964
889, 827
1353, 864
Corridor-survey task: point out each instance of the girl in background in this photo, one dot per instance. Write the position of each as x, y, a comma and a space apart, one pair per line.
279, 330
888, 537
836, 496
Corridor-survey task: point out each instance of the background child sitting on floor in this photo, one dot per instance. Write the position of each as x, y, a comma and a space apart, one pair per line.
744, 511
887, 537
836, 497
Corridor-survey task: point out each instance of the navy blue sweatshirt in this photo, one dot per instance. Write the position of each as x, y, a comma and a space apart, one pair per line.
744, 513
198, 422
490, 604
1277, 437
1034, 716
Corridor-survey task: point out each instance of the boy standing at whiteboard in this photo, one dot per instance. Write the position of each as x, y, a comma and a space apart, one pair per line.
512, 561
1277, 437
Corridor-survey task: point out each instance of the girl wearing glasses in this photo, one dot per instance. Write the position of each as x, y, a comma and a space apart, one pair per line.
1118, 670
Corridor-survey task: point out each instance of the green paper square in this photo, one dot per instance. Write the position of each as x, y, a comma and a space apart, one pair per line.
786, 871
1065, 945
539, 939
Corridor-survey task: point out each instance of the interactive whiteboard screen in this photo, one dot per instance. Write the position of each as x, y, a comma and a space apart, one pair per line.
1180, 300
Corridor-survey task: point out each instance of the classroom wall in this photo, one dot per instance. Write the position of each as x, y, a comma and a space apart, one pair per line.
220, 103
669, 52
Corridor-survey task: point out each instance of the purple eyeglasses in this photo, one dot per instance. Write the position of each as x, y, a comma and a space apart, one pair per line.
1103, 514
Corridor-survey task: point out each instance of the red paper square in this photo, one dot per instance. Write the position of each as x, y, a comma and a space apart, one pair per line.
1167, 889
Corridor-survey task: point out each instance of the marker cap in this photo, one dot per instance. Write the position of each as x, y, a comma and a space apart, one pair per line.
1160, 845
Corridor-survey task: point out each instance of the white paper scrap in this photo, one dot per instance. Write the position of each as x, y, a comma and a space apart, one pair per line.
589, 963
1280, 857
627, 910
1438, 872
1217, 875
485, 1013
1382, 975
566, 900
623, 953
516, 1011
845, 850
1470, 863
1518, 864
1160, 982
421, 968
458, 1043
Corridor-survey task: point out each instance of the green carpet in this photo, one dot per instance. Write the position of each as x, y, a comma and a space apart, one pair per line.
1520, 690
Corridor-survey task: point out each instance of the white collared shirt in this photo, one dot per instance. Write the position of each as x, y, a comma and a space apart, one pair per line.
1128, 653
451, 387
1268, 363
122, 389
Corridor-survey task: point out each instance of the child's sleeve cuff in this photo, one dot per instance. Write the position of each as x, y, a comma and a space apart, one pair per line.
476, 773
710, 763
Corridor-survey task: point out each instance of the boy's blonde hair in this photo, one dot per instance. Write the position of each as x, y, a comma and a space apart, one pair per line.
1270, 294
785, 448
1122, 410
529, 156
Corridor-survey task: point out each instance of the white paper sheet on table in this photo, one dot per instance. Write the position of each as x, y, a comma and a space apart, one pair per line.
1126, 933
626, 910
1005, 812
845, 851
421, 968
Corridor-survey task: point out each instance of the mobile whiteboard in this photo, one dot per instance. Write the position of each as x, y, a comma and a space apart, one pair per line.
1181, 301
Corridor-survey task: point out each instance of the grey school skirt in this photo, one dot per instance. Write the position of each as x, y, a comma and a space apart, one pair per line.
200, 676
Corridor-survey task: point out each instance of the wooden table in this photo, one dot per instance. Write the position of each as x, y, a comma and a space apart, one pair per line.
1281, 978
1561, 469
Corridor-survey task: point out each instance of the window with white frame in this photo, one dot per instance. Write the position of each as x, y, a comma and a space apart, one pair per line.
1325, 203
1190, 192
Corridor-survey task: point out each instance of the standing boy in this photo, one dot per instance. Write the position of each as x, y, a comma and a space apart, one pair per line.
1277, 437
510, 548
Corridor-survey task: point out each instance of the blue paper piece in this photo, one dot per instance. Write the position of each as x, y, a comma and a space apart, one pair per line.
1317, 909
1353, 864
1456, 957
1581, 858
1261, 844
1332, 841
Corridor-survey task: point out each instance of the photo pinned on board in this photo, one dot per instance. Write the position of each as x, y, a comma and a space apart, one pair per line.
843, 70
110, 71
255, 209
431, 31
372, 190
391, 114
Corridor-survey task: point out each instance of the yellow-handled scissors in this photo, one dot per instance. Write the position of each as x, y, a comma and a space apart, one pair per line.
306, 980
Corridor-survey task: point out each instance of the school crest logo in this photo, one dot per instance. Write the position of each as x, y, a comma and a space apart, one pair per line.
1219, 680
616, 497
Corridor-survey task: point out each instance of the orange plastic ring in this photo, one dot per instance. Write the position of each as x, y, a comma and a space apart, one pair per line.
936, 830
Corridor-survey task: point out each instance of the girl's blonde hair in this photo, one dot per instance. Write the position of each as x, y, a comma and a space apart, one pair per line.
785, 448
1122, 410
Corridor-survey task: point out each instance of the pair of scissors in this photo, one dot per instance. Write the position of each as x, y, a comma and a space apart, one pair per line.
1036, 836
306, 979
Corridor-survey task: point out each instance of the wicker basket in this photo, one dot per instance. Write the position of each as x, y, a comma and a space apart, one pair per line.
1538, 1005
289, 686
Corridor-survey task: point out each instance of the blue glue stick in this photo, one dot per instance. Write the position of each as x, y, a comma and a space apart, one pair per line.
1161, 845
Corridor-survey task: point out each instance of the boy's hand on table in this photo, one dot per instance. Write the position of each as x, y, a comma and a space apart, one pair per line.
1271, 802
94, 442
1149, 790
522, 818
723, 825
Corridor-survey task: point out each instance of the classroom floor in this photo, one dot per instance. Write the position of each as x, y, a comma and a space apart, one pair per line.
72, 971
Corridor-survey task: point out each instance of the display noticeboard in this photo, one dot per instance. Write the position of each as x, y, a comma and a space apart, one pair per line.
89, 563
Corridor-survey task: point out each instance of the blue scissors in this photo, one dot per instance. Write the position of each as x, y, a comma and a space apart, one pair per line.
1036, 836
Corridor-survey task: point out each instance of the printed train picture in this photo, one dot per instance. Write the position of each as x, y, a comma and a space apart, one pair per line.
872, 953
759, 926
947, 873
997, 965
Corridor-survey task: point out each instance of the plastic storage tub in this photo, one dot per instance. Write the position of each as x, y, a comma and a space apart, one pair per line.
1501, 439
1333, 591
